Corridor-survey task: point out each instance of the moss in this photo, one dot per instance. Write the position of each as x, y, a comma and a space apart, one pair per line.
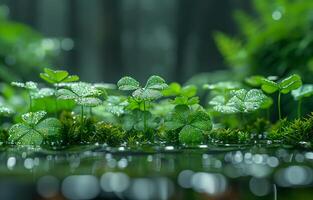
107, 133
232, 136
293, 132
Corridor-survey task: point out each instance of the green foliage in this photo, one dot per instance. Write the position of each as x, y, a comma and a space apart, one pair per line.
284, 86
184, 95
151, 91
240, 101
57, 76
33, 129
192, 125
23, 50
278, 41
84, 94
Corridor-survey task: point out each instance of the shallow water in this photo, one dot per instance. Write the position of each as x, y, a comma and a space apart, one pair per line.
149, 172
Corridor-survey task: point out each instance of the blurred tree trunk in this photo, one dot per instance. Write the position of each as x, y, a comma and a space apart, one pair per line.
112, 47
184, 26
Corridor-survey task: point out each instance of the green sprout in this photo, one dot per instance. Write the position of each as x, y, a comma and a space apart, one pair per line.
150, 92
84, 95
283, 87
300, 93
55, 78
34, 129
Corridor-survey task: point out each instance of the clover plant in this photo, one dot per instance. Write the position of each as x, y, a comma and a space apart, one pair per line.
84, 95
239, 101
282, 87
55, 78
34, 129
143, 95
300, 93
192, 125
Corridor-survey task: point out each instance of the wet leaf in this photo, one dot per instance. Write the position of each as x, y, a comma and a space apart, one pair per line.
34, 129
156, 82
303, 91
30, 85
57, 76
127, 83
290, 83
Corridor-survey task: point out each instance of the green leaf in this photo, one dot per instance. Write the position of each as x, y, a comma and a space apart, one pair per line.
33, 129
71, 78
115, 105
57, 76
42, 93
189, 91
24, 135
201, 120
49, 126
240, 101
190, 135
156, 83
127, 83
30, 85
173, 125
174, 89
303, 91
223, 86
255, 81
82, 93
269, 86
147, 94
33, 118
290, 83
5, 111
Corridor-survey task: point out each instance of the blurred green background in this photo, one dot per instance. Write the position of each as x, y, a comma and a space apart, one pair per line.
102, 40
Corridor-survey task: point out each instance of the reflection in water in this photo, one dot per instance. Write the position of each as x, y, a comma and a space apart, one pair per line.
149, 172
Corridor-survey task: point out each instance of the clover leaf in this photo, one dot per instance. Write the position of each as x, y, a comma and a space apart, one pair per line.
192, 124
222, 87
283, 87
240, 101
83, 94
305, 90
34, 129
151, 91
115, 105
57, 76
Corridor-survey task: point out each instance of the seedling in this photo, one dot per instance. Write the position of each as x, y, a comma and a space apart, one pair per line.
55, 78
283, 87
150, 92
300, 93
84, 95
34, 129
191, 124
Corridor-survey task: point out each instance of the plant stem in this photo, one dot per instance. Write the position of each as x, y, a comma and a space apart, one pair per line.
299, 108
144, 116
278, 104
82, 116
30, 102
56, 101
